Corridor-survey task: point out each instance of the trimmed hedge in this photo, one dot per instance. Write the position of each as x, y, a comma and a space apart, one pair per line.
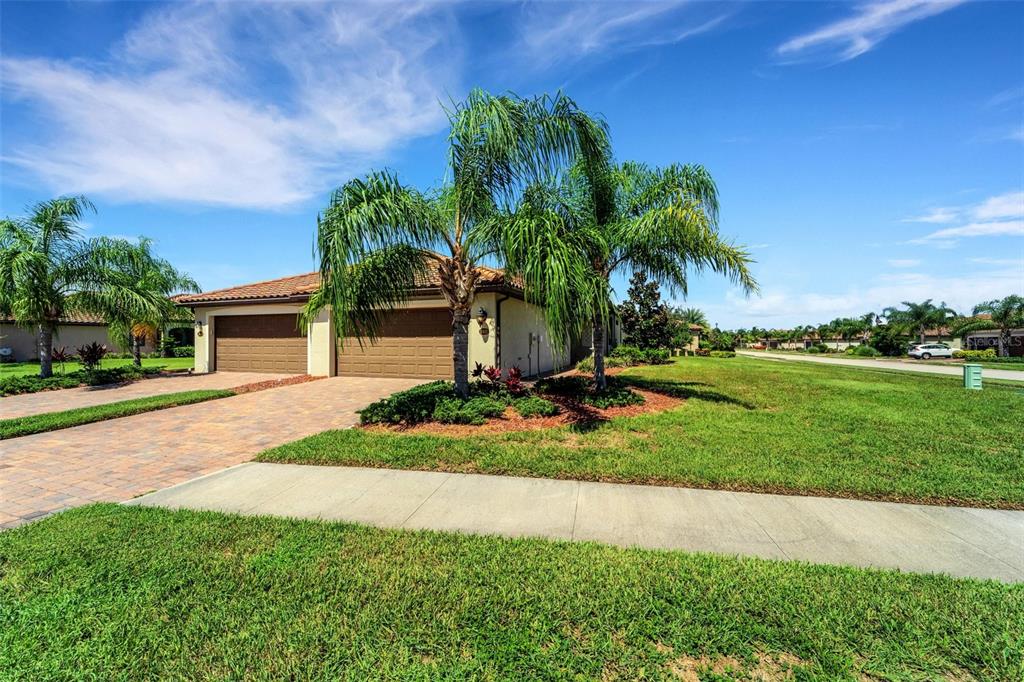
987, 354
863, 351
722, 354
535, 406
412, 406
97, 377
473, 411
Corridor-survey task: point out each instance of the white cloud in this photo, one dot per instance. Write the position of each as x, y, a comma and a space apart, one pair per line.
935, 215
553, 32
1009, 205
869, 25
781, 307
998, 216
903, 262
237, 104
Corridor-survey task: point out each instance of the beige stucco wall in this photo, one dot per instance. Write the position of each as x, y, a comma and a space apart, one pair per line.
23, 341
526, 342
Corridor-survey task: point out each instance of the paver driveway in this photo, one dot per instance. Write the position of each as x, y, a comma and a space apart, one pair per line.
119, 459
87, 396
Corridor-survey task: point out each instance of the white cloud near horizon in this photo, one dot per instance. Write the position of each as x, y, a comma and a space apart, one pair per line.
870, 24
783, 308
184, 109
903, 262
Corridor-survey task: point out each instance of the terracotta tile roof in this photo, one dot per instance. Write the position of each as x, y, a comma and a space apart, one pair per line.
70, 318
301, 286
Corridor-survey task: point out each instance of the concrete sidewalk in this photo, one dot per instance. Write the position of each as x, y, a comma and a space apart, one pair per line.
920, 367
958, 541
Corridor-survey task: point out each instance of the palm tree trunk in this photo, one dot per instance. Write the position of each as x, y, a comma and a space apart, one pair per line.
1004, 343
598, 340
45, 351
921, 335
460, 350
137, 350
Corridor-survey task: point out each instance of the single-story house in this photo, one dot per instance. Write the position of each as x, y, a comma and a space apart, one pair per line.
989, 338
76, 329
255, 327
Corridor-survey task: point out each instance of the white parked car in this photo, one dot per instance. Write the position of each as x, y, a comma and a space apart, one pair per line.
927, 351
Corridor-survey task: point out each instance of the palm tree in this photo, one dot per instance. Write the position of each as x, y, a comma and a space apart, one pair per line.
607, 218
691, 316
868, 322
377, 236
917, 317
1007, 314
48, 271
153, 274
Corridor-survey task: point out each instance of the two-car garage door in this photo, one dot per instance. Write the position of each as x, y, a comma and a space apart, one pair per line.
413, 343
259, 343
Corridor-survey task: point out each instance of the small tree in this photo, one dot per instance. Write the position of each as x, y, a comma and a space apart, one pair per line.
916, 318
645, 319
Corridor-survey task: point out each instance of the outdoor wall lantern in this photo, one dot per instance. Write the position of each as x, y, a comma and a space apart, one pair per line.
199, 328
481, 317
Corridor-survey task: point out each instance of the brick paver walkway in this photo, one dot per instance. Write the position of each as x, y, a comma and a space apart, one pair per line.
119, 459
87, 396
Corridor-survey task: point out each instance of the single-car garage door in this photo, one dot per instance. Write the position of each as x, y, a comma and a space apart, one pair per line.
412, 343
259, 343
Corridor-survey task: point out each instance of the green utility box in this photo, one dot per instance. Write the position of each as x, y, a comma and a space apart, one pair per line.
972, 377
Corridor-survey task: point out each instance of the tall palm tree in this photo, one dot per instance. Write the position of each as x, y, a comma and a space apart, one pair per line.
48, 271
378, 236
918, 317
619, 217
153, 274
868, 322
1007, 314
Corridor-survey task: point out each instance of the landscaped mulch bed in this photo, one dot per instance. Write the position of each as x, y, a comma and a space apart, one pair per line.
572, 413
273, 383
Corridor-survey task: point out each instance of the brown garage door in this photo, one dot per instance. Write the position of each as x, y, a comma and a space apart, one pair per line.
259, 343
413, 343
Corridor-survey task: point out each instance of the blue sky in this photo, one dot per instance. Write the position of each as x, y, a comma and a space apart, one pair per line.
866, 153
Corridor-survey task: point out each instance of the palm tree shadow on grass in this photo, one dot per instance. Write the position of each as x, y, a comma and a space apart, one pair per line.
584, 418
684, 390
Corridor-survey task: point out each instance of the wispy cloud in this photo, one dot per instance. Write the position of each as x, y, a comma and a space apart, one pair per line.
903, 262
998, 216
183, 109
553, 32
870, 24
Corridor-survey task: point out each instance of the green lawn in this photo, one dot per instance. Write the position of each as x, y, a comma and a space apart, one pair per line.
52, 421
112, 592
16, 369
752, 425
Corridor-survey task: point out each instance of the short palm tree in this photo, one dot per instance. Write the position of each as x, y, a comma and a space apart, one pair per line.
618, 218
691, 316
153, 274
377, 236
1006, 314
47, 271
915, 318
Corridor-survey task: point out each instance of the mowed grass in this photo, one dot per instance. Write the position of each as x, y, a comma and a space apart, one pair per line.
111, 592
755, 425
52, 421
17, 369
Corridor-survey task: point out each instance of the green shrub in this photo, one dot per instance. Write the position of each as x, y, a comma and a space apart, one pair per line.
411, 407
580, 388
32, 384
570, 386
631, 355
535, 406
814, 349
863, 351
473, 411
586, 365
183, 351
987, 354
722, 354
656, 356
616, 395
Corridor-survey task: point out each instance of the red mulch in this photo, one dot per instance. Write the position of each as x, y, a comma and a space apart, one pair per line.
573, 412
273, 383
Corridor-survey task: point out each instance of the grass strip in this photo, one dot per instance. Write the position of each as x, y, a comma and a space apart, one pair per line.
114, 592
52, 421
747, 424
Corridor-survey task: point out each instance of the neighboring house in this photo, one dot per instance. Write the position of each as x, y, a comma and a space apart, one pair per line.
694, 344
940, 335
75, 330
254, 327
989, 338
